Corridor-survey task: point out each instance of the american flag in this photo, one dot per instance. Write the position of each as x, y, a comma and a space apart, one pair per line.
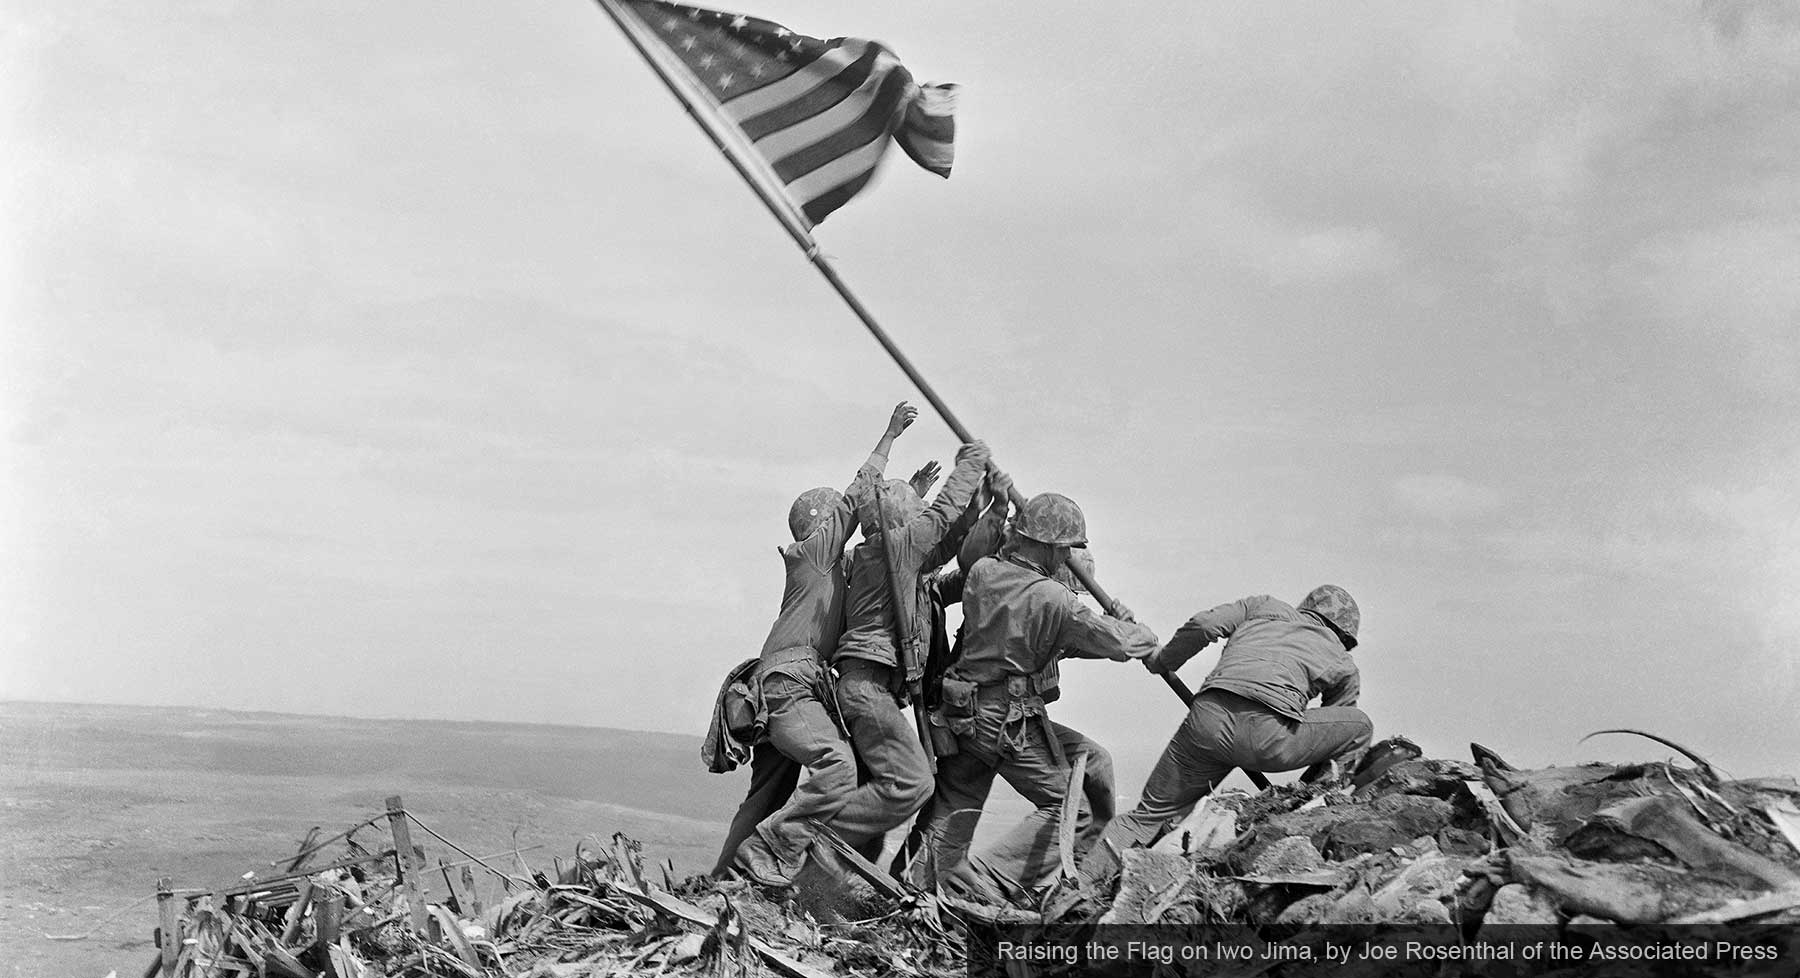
819, 113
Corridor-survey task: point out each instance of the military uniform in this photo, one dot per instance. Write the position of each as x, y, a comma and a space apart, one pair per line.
1251, 712
874, 675
795, 688
1016, 621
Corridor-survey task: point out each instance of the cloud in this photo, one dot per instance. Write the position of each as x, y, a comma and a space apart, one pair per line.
1446, 497
1737, 286
1764, 523
1331, 255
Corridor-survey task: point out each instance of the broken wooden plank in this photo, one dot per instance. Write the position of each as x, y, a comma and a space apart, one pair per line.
453, 897
1786, 817
1070, 816
328, 907
1783, 899
993, 916
468, 882
410, 870
168, 935
1663, 819
290, 925
889, 886
625, 859
675, 906
454, 935
256, 887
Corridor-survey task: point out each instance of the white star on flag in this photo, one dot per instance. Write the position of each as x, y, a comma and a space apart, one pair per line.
740, 22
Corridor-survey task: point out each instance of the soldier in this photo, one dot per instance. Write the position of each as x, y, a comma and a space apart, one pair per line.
878, 672
1251, 710
795, 685
1017, 620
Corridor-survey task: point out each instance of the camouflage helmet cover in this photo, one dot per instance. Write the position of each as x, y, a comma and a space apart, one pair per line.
810, 509
1335, 605
900, 502
1053, 518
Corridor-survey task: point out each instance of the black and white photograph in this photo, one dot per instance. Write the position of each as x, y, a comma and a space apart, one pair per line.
902, 490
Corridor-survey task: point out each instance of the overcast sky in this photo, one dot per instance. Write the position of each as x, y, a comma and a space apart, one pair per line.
424, 360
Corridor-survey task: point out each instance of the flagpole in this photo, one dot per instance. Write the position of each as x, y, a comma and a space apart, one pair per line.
783, 211
779, 208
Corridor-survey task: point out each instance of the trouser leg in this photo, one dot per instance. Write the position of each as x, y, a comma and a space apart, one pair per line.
899, 774
1028, 852
947, 823
1191, 766
772, 779
804, 732
1271, 742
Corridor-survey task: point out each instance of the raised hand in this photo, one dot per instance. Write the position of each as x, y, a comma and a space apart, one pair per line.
925, 478
904, 415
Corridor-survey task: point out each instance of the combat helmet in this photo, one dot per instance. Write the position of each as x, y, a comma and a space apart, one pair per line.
1053, 518
1335, 605
810, 509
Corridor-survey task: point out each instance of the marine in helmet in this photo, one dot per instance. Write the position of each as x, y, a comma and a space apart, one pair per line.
1018, 620
880, 660
1251, 711
775, 825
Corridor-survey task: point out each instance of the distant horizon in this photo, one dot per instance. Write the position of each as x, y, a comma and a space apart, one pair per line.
1126, 792
4, 700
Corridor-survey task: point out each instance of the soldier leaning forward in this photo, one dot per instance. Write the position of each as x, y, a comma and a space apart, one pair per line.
1251, 712
766, 843
1017, 620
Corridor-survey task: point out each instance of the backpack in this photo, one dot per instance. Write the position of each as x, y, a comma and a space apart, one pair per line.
738, 720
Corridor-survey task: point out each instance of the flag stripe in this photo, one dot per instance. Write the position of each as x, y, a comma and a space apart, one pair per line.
752, 104
826, 94
836, 197
817, 183
871, 127
806, 116
851, 107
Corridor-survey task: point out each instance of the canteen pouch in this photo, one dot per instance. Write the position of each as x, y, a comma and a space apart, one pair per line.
943, 741
958, 709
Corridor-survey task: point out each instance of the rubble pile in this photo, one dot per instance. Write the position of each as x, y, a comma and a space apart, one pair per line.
1411, 840
1403, 841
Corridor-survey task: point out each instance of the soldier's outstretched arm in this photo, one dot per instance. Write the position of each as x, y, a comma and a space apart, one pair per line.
870, 474
928, 528
1198, 632
1089, 635
862, 486
902, 418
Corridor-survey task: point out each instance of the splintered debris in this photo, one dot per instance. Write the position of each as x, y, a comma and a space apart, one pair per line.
1404, 841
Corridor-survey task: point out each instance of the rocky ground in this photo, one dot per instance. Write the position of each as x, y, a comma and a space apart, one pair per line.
1404, 845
